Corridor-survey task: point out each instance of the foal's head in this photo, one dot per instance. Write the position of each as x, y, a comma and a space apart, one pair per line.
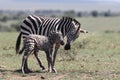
56, 38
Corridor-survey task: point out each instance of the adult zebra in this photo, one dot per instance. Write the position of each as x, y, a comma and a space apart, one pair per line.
33, 24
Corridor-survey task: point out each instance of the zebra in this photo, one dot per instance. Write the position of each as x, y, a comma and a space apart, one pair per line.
33, 24
34, 43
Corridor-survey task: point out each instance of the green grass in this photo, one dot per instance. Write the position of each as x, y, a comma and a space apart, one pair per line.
93, 56
100, 24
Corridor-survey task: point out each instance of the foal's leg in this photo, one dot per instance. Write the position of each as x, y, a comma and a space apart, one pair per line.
54, 57
49, 60
39, 61
28, 50
25, 68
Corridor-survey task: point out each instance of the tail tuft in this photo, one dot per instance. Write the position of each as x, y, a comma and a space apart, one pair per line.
18, 43
21, 51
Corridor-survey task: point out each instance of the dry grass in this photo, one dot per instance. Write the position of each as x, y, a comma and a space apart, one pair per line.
94, 56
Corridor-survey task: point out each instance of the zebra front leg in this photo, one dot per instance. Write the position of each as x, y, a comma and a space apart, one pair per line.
57, 46
39, 61
49, 60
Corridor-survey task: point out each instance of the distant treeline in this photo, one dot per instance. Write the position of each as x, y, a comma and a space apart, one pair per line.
10, 20
54, 13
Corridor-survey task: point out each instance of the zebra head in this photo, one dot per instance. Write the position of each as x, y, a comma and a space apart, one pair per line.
73, 33
56, 37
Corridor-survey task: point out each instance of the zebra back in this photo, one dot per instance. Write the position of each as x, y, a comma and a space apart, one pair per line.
43, 25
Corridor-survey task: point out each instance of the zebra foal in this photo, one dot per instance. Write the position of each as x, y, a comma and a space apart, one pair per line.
34, 43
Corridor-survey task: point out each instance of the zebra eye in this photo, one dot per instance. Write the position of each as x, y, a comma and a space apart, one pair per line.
59, 37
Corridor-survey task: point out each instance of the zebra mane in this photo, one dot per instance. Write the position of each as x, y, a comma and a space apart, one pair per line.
71, 19
67, 18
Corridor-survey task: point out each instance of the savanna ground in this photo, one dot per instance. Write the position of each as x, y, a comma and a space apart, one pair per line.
94, 56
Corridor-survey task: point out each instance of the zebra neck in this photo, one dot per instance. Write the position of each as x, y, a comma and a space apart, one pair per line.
51, 41
64, 26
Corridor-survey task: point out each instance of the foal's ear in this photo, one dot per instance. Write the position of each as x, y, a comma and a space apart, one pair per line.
58, 31
51, 32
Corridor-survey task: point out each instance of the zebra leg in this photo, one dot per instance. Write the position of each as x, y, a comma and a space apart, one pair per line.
24, 70
57, 46
49, 60
24, 64
39, 61
28, 50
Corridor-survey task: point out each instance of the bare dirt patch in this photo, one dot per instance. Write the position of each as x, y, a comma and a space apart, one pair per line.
59, 77
13, 75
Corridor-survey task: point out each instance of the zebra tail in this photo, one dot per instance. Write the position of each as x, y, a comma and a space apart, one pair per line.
21, 51
18, 43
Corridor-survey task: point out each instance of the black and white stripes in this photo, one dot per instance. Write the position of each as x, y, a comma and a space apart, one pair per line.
39, 25
43, 25
33, 43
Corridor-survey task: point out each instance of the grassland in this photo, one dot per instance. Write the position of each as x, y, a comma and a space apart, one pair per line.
94, 56
100, 24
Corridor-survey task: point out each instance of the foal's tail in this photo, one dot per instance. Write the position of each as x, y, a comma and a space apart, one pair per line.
18, 43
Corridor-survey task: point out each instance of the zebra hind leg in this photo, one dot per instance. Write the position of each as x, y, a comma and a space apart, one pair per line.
25, 68
39, 61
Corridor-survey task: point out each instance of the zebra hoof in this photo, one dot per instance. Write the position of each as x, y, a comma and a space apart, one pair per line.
67, 47
25, 71
43, 68
54, 70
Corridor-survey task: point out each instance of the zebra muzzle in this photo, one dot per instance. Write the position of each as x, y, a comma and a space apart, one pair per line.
67, 47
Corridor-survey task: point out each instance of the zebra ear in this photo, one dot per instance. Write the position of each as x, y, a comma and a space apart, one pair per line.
51, 32
58, 31
67, 18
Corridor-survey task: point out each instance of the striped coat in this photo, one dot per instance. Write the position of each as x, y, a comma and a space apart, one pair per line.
34, 43
39, 25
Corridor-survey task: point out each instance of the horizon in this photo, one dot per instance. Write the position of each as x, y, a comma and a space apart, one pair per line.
77, 5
